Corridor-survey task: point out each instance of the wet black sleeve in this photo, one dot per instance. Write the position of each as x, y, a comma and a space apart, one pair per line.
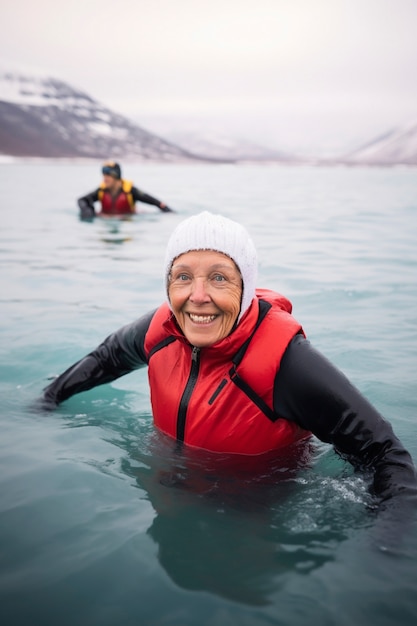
86, 204
119, 354
141, 196
310, 391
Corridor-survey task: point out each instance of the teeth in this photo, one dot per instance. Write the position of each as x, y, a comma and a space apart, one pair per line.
202, 319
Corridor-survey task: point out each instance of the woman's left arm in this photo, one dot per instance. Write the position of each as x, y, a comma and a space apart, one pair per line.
312, 392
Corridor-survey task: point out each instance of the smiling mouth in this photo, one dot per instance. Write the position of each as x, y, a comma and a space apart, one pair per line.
201, 319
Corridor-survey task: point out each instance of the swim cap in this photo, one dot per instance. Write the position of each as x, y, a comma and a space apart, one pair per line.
111, 169
207, 231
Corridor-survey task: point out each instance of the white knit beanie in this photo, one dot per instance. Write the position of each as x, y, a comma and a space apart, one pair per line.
206, 231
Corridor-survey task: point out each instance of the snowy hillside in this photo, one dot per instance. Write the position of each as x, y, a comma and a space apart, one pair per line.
45, 117
398, 147
221, 146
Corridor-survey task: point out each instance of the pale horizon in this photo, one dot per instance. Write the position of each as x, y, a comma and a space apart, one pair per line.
303, 76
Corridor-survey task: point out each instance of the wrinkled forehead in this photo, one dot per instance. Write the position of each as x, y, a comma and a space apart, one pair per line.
207, 255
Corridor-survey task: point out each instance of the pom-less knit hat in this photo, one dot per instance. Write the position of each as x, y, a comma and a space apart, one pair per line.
207, 231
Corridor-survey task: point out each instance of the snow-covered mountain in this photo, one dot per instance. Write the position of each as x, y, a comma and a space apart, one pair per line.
45, 117
221, 146
397, 147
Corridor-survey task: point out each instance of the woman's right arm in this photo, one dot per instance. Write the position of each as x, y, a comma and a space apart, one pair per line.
86, 204
121, 353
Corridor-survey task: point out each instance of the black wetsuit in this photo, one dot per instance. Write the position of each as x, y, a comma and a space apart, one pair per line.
86, 203
308, 390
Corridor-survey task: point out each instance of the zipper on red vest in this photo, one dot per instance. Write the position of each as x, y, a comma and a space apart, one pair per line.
218, 390
188, 390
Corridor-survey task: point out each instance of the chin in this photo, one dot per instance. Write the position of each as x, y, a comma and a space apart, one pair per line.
201, 342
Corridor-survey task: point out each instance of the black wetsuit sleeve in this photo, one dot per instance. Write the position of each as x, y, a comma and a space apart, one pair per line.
119, 354
312, 392
86, 204
141, 196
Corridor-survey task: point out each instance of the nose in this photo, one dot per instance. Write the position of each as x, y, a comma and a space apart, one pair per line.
199, 291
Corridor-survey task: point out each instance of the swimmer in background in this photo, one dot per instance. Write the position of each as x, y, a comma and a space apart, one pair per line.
116, 195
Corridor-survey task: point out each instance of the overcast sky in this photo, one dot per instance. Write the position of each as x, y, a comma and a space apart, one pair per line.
295, 74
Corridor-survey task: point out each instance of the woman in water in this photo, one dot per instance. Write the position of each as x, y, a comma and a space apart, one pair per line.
230, 369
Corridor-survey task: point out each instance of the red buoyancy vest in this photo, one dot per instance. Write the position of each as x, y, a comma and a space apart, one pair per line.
119, 205
193, 396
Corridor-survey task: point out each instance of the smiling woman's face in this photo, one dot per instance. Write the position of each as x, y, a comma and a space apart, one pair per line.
205, 292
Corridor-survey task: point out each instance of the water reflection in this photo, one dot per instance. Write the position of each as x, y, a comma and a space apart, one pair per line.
224, 525
236, 527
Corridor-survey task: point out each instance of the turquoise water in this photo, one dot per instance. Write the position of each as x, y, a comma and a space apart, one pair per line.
100, 521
